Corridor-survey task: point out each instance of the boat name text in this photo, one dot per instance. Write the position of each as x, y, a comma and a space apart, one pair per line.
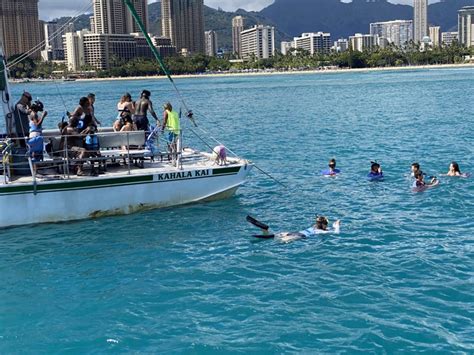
183, 175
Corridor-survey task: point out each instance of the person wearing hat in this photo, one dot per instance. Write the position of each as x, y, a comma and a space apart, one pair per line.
142, 106
21, 116
36, 129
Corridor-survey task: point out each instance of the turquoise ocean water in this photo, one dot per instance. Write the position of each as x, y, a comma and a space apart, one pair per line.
399, 278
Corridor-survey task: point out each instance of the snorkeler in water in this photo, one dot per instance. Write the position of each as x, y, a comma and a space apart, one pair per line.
375, 172
332, 171
320, 227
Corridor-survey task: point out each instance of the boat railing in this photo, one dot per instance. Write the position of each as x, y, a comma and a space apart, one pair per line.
63, 152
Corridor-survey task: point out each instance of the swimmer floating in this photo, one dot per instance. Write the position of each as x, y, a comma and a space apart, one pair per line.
320, 227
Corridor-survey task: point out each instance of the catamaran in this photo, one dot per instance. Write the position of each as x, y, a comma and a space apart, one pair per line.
45, 190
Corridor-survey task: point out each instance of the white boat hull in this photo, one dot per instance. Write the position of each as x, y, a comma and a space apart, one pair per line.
57, 201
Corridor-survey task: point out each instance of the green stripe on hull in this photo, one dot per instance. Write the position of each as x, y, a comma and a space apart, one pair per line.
225, 170
101, 183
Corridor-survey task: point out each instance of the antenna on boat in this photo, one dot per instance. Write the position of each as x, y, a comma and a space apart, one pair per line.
140, 24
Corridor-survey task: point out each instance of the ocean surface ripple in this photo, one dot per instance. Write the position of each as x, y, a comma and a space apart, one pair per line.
399, 278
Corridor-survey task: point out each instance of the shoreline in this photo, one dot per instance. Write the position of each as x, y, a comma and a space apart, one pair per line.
261, 73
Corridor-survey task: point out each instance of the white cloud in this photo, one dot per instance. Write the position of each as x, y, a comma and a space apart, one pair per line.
50, 9
232, 5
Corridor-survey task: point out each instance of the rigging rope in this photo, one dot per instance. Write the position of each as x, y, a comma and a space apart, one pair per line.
218, 142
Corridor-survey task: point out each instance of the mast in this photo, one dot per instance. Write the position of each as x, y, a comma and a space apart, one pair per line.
5, 93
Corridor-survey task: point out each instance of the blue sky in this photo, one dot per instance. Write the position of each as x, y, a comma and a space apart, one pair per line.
50, 9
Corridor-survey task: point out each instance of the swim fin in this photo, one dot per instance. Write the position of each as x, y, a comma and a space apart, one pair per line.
263, 236
257, 223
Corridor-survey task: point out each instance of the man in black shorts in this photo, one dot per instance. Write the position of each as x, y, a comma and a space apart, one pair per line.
142, 106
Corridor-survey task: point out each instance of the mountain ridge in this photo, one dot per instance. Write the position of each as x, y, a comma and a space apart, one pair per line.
293, 17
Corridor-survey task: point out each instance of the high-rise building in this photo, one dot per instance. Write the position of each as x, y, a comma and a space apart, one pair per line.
447, 38
74, 49
466, 26
54, 46
19, 26
141, 6
314, 42
360, 41
210, 39
100, 50
285, 47
435, 35
164, 46
237, 27
398, 32
258, 42
183, 22
420, 20
341, 45
113, 17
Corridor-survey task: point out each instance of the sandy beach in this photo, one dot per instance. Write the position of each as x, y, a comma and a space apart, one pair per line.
259, 72
292, 72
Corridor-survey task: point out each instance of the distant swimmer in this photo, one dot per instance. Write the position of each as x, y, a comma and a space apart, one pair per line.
376, 173
332, 171
455, 171
415, 168
320, 227
420, 185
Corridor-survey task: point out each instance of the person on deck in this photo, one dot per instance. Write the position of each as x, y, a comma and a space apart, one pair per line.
128, 125
142, 106
72, 145
124, 107
91, 98
36, 121
21, 113
172, 125
81, 118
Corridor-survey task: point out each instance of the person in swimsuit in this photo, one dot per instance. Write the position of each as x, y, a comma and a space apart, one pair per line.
320, 227
36, 121
142, 106
454, 170
415, 167
332, 171
82, 115
125, 107
420, 180
375, 171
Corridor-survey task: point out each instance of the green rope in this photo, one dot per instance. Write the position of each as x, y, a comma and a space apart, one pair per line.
147, 37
